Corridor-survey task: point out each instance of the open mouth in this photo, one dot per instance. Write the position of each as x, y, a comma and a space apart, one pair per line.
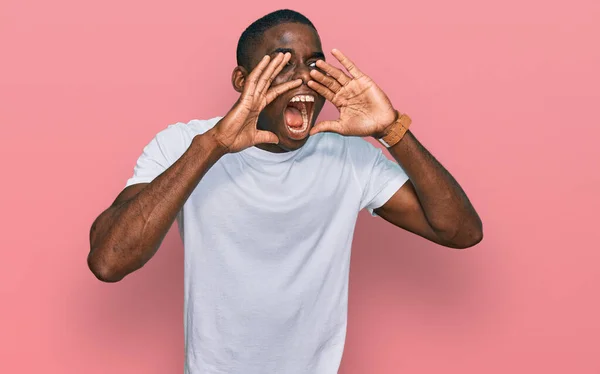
298, 115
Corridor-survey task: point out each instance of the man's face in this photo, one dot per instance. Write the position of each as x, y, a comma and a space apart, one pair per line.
291, 115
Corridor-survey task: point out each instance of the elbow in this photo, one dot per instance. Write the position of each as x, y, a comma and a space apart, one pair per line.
465, 236
469, 240
103, 270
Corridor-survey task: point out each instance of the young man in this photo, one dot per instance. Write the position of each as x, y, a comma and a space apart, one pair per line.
267, 202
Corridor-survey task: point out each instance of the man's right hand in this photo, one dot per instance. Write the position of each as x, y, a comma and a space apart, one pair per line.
237, 130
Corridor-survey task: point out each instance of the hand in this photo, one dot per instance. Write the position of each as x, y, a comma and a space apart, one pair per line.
237, 130
364, 108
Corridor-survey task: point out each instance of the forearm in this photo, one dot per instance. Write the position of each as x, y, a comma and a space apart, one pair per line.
129, 233
445, 204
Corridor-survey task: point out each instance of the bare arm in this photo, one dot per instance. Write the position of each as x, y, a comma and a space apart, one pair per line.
431, 204
125, 236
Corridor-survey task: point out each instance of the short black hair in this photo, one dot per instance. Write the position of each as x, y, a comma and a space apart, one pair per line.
252, 34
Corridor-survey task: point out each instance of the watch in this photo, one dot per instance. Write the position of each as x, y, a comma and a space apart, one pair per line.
396, 131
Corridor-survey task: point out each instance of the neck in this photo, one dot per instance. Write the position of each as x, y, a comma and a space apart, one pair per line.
274, 148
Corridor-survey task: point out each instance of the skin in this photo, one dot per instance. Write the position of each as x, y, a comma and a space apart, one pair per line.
127, 234
432, 204
304, 44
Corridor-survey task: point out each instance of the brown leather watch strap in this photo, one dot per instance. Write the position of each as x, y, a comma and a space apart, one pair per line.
396, 131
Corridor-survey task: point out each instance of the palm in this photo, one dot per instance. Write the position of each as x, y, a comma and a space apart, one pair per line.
247, 117
364, 108
237, 130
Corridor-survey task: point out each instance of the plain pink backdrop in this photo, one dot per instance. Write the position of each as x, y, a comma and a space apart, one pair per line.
505, 94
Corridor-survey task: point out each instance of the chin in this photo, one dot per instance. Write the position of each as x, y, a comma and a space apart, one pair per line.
292, 142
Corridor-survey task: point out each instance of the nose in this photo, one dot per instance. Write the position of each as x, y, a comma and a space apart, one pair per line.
302, 72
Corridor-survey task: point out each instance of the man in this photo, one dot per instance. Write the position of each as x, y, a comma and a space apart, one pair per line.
267, 201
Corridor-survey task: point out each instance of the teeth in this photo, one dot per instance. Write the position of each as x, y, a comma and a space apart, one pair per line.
303, 112
304, 115
303, 98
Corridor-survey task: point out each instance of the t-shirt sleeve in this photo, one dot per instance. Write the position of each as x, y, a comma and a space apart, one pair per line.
158, 155
378, 176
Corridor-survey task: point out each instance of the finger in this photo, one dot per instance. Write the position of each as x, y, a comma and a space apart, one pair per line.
326, 81
252, 79
275, 91
347, 63
322, 90
326, 126
262, 137
339, 75
267, 76
276, 71
286, 58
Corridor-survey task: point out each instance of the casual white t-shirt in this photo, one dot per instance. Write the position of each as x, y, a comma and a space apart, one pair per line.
267, 240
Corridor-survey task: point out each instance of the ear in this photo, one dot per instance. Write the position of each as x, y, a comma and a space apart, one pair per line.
238, 78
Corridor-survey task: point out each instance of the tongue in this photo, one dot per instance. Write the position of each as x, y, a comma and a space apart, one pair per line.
293, 117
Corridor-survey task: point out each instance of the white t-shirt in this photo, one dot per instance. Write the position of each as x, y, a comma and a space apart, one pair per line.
267, 240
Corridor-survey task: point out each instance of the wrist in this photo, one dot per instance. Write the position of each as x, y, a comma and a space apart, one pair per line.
209, 141
387, 128
394, 133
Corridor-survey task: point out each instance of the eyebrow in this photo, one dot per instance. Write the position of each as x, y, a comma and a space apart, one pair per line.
319, 55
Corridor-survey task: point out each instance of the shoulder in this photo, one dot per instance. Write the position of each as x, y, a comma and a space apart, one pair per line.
175, 139
361, 151
198, 126
351, 148
188, 129
358, 144
325, 140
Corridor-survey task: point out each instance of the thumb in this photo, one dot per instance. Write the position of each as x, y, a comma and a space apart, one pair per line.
262, 137
327, 126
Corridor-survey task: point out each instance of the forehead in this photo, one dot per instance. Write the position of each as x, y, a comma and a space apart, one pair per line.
303, 39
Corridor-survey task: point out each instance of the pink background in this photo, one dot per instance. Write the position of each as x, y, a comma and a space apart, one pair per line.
502, 93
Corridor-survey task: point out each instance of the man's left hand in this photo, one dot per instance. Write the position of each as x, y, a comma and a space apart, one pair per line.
365, 110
